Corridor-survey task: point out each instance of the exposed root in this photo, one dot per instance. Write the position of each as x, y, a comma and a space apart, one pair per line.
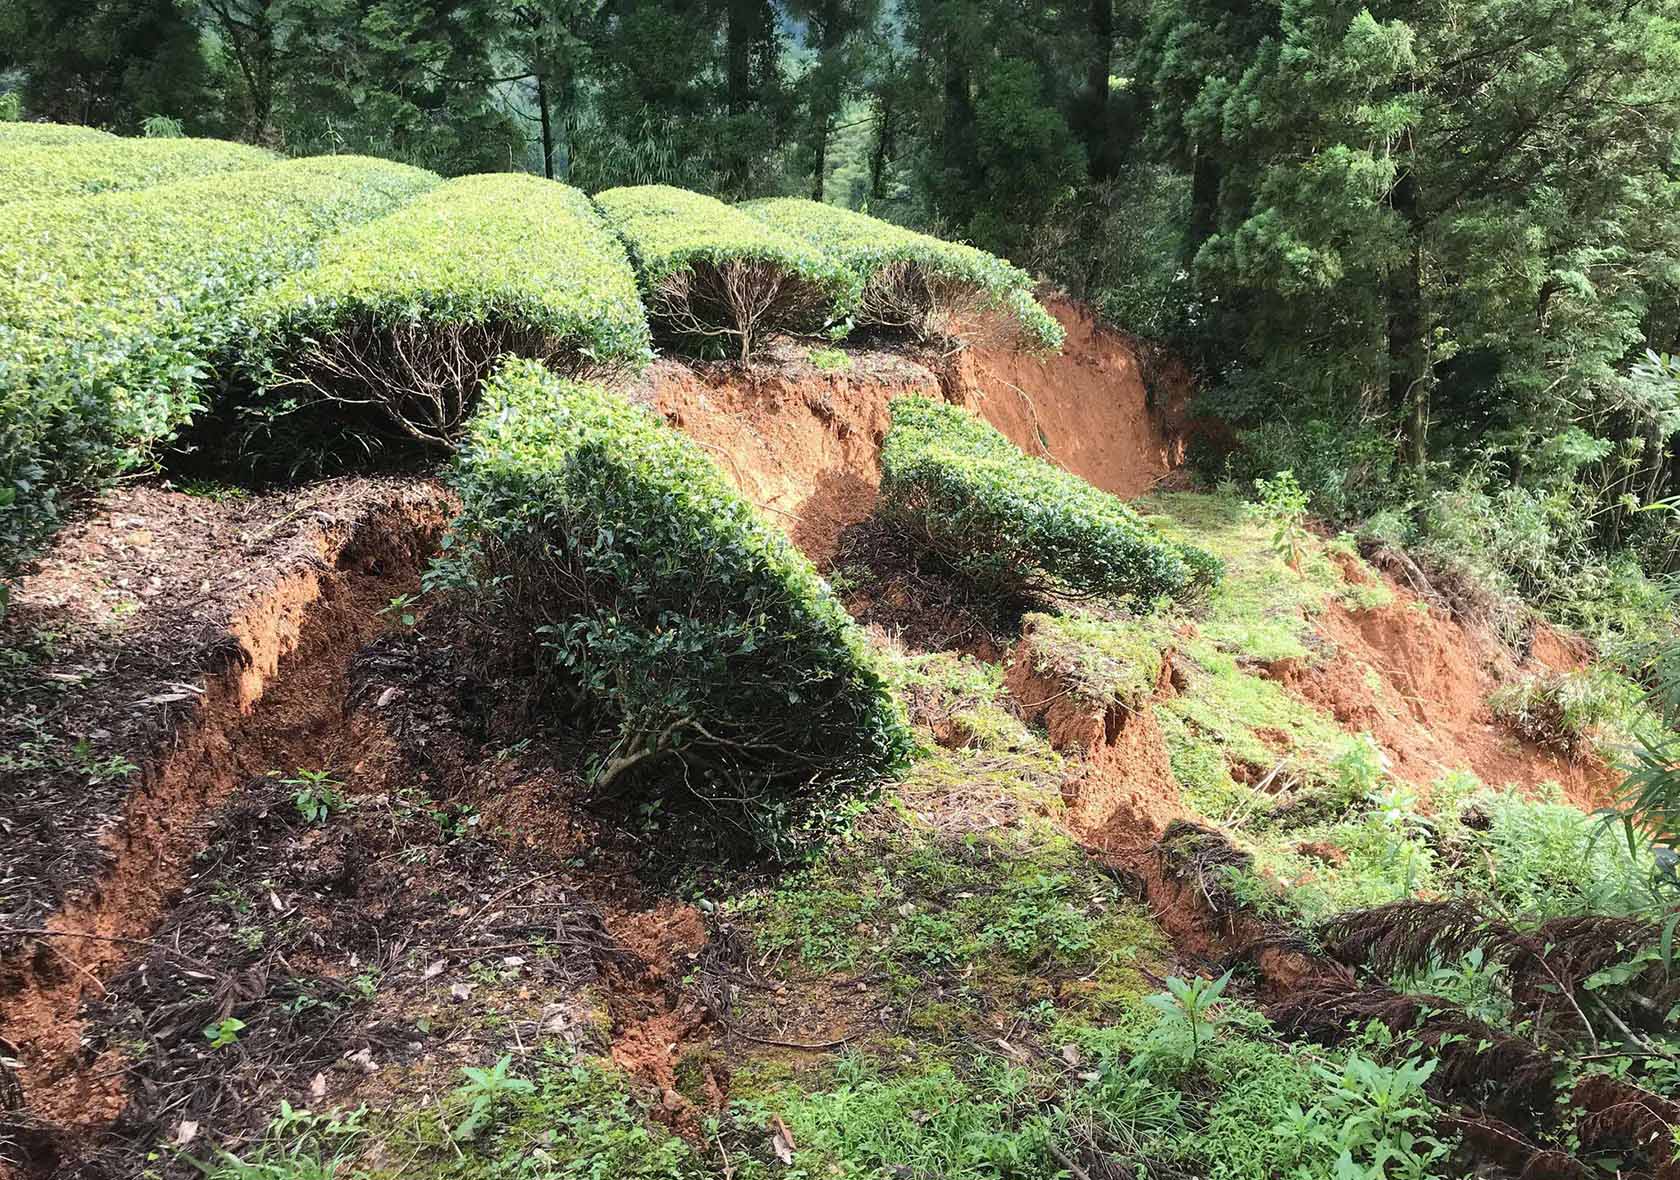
738, 300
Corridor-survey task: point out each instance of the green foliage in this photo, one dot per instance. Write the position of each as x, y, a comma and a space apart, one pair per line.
609, 547
161, 127
117, 305
316, 794
911, 281
21, 135
297, 1145
224, 1032
1373, 1120
1566, 711
1281, 501
410, 311
1192, 1005
1019, 524
1111, 661
81, 168
483, 1093
711, 272
929, 1120
11, 107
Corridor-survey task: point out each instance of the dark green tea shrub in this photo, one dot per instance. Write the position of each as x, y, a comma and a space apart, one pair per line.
113, 308
663, 614
408, 313
711, 273
1019, 524
913, 282
80, 168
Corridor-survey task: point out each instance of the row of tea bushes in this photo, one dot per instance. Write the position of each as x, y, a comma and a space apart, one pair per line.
713, 277
408, 313
664, 615
114, 308
912, 282
38, 171
1020, 525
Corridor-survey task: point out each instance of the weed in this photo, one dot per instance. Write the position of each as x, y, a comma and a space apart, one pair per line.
403, 607
1283, 503
316, 794
224, 1032
1193, 1006
298, 1145
1373, 1120
830, 360
482, 1093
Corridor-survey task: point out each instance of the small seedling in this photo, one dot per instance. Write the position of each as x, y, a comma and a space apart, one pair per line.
482, 1092
403, 607
1193, 1003
1283, 501
316, 794
224, 1032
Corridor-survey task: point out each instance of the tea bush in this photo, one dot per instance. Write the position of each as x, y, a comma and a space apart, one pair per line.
659, 610
17, 134
712, 273
115, 307
83, 167
1017, 523
913, 282
409, 312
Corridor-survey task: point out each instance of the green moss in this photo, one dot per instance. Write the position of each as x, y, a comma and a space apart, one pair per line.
1112, 661
1252, 720
958, 698
1262, 609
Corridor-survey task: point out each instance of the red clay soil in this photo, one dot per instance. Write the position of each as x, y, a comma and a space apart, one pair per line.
269, 703
1120, 792
1427, 705
1087, 408
803, 443
653, 1015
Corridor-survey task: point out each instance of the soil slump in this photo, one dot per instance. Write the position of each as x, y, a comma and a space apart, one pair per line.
271, 698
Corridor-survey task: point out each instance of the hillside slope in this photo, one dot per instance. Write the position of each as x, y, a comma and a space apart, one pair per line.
282, 836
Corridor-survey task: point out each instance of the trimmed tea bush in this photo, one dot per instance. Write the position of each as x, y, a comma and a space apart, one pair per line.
710, 272
658, 608
1019, 524
411, 311
109, 164
32, 134
912, 282
114, 307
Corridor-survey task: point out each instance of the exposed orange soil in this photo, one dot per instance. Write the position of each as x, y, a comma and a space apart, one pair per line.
1427, 705
803, 443
1087, 408
272, 703
1122, 783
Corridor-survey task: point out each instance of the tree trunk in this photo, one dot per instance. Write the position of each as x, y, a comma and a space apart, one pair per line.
738, 54
1099, 159
1408, 356
1204, 206
882, 150
547, 128
821, 160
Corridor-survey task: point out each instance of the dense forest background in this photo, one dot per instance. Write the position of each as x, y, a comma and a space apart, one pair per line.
1423, 254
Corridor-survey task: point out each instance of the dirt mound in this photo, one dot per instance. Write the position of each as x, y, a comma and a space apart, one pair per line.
1120, 792
1419, 683
802, 441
